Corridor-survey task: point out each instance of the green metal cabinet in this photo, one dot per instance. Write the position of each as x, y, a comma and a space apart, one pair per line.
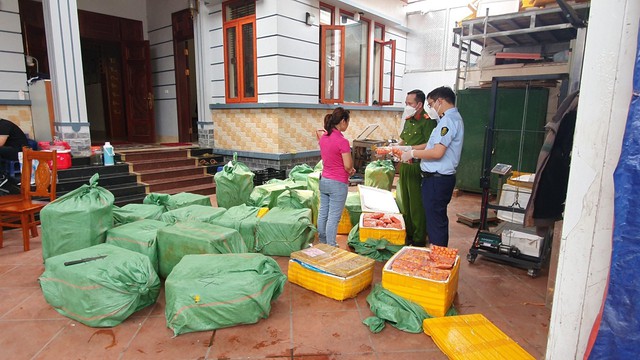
513, 144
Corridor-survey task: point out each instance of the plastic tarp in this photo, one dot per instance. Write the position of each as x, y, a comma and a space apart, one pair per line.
134, 212
139, 236
106, 286
300, 172
377, 249
207, 292
234, 184
201, 213
283, 231
195, 237
379, 174
244, 219
77, 220
267, 195
388, 307
618, 334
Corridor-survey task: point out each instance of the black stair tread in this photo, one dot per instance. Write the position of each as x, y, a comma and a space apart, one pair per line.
87, 178
167, 170
178, 179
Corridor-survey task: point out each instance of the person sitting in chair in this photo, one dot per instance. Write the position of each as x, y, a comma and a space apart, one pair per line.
12, 139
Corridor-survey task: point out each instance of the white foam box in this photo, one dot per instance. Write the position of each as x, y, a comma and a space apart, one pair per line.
528, 244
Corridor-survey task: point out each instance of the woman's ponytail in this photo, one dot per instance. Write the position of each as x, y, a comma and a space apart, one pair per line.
333, 119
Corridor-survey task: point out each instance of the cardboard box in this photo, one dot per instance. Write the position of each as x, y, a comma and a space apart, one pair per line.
528, 244
435, 297
330, 271
516, 197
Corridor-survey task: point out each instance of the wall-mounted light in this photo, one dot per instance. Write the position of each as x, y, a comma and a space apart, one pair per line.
310, 19
356, 16
32, 61
194, 7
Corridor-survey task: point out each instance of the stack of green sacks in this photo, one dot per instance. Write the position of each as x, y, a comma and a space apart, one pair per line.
139, 236
99, 286
283, 231
195, 237
208, 292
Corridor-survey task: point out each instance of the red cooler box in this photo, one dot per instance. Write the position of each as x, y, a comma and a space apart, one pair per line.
64, 159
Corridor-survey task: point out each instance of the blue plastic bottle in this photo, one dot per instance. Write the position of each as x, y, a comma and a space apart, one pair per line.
108, 154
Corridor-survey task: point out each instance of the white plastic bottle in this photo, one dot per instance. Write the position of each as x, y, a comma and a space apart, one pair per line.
108, 154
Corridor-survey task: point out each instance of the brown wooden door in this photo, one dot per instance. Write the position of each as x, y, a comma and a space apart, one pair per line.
138, 92
182, 25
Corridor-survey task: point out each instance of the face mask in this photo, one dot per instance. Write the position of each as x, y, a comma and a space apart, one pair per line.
408, 112
433, 114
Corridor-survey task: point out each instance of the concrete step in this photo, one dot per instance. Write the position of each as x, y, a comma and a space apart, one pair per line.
162, 165
153, 154
181, 171
179, 182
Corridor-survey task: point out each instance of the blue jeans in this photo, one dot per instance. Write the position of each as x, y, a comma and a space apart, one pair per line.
333, 195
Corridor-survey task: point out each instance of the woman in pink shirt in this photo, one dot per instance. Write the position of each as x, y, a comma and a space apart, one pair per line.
334, 182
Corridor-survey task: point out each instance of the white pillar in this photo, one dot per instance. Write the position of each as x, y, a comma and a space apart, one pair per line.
585, 250
67, 79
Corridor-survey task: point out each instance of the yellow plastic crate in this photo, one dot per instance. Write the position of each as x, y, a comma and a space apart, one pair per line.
472, 337
262, 212
516, 174
344, 226
331, 286
394, 236
435, 297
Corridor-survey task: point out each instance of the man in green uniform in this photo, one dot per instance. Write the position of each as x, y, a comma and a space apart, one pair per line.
416, 131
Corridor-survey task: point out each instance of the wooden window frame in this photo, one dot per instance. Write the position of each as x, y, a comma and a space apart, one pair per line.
323, 58
333, 12
393, 71
369, 49
238, 23
383, 31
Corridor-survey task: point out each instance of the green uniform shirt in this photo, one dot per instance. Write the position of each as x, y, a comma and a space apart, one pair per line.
416, 132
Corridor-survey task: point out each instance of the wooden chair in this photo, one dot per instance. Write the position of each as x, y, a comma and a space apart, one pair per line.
22, 214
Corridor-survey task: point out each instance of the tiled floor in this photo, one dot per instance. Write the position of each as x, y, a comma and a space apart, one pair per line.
302, 324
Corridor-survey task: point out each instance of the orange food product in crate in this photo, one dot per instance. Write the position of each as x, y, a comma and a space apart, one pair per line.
383, 226
426, 278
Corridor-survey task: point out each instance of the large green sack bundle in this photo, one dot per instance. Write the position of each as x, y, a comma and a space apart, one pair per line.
283, 231
267, 195
134, 212
184, 199
194, 237
244, 219
99, 286
201, 213
379, 174
139, 236
318, 166
77, 220
353, 206
300, 172
295, 199
234, 184
208, 292
163, 200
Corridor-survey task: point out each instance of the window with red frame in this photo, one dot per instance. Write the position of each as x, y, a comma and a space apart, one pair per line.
240, 51
384, 69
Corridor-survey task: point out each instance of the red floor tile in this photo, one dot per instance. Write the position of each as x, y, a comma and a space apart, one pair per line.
25, 339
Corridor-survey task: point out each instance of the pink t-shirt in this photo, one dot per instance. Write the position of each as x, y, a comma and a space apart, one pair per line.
331, 149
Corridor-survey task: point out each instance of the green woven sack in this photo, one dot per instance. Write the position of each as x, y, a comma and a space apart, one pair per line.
234, 184
77, 220
380, 174
244, 219
139, 236
104, 287
163, 200
134, 212
201, 213
267, 195
208, 292
300, 172
184, 199
283, 231
313, 184
353, 206
194, 237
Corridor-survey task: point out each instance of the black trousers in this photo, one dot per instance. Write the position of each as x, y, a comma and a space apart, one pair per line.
436, 194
